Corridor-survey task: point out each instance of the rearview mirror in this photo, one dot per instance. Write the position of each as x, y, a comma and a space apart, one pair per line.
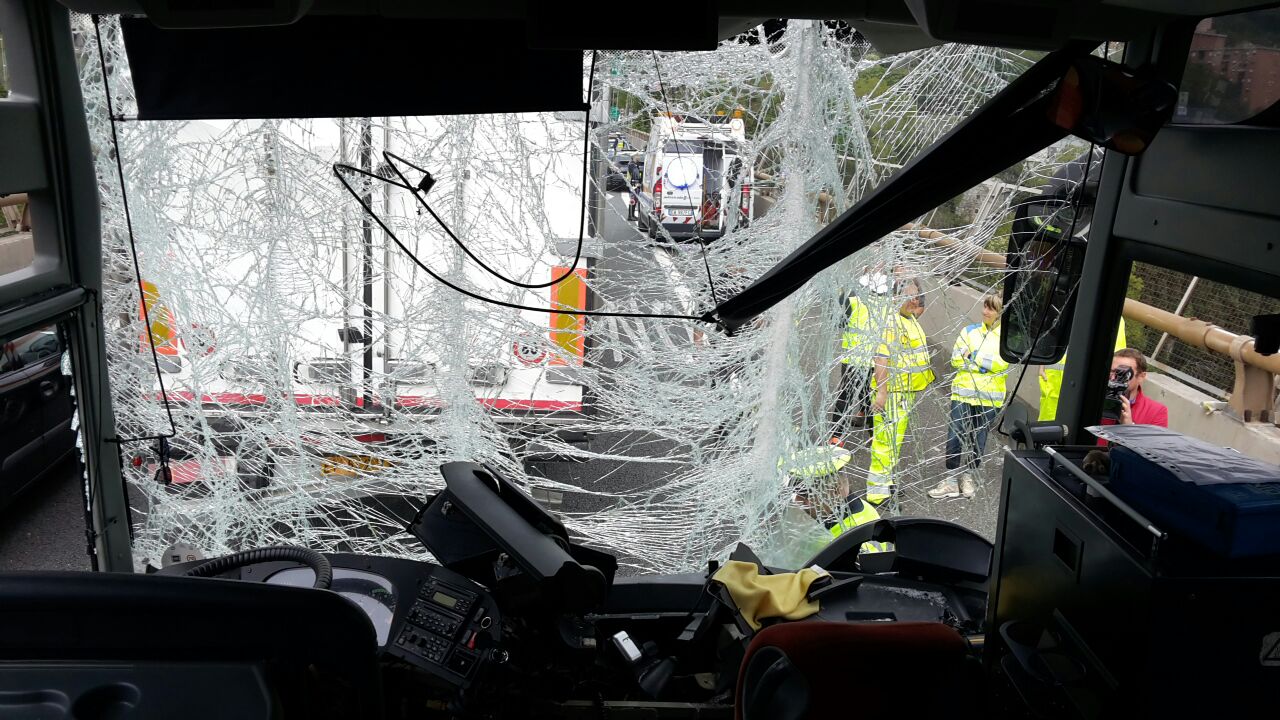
1045, 261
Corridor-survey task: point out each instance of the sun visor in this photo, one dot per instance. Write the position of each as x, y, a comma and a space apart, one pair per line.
344, 66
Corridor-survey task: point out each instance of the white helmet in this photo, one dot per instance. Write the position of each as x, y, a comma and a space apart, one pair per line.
877, 283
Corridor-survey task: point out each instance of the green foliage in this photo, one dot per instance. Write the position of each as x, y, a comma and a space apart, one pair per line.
1257, 28
1136, 285
877, 79
948, 215
1012, 173
867, 80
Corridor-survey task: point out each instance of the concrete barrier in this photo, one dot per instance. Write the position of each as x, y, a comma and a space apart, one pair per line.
17, 251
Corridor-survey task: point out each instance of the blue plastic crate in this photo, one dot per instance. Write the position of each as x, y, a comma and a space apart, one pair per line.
1216, 497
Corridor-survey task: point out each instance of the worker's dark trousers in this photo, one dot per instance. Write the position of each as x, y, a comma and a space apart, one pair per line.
854, 396
967, 434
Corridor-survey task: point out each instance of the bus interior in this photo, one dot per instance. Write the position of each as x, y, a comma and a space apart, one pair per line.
1081, 607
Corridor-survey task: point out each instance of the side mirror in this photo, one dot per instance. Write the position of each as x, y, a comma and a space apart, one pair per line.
1045, 261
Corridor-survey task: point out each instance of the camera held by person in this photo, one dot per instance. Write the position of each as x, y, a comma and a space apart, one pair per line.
1113, 403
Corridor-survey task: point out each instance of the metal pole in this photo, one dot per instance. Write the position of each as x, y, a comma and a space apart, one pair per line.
595, 182
388, 350
346, 392
366, 227
1191, 286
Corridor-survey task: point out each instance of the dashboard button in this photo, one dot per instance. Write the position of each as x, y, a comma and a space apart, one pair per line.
462, 662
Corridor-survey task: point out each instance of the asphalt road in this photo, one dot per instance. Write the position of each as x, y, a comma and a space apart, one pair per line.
626, 253
44, 528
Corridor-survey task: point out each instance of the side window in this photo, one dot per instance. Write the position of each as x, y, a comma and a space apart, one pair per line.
30, 349
1233, 69
1185, 326
40, 346
17, 250
4, 70
41, 490
10, 360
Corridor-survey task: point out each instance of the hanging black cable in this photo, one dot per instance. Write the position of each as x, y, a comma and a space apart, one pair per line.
339, 169
133, 250
577, 255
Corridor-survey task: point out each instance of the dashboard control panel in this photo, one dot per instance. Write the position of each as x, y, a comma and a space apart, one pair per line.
425, 615
450, 629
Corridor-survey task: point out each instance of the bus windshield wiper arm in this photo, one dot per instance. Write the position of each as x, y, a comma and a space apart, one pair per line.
1011, 126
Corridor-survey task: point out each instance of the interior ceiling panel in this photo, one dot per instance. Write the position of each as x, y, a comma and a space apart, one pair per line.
404, 58
346, 67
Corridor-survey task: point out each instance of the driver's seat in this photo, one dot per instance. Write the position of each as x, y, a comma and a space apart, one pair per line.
824, 670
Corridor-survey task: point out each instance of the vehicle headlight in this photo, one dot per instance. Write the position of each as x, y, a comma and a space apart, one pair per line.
410, 372
169, 363
247, 368
325, 372
489, 374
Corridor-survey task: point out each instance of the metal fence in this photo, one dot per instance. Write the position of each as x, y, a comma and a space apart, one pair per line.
1227, 307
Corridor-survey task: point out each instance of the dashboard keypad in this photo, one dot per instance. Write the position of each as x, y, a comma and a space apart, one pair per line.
444, 631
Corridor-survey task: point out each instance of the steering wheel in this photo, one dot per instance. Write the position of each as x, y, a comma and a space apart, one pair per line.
318, 563
938, 549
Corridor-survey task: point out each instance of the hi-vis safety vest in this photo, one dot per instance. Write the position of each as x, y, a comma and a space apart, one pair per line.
1051, 379
865, 513
862, 514
865, 319
908, 352
980, 371
818, 462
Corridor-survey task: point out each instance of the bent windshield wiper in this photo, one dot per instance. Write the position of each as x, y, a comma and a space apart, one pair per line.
1066, 92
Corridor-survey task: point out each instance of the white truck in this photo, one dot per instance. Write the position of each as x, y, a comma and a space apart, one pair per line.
697, 182
375, 350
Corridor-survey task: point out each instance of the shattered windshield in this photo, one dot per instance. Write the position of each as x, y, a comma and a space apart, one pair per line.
312, 350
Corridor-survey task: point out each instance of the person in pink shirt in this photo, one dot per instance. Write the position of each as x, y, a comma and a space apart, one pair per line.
1135, 407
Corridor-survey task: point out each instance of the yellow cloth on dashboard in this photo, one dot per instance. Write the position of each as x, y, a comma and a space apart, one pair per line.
764, 596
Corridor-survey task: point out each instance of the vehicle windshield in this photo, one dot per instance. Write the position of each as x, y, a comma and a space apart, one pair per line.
315, 375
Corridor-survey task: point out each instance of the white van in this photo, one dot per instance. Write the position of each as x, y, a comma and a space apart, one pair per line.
697, 182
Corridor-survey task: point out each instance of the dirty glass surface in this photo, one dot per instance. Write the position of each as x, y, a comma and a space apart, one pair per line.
1233, 69
316, 376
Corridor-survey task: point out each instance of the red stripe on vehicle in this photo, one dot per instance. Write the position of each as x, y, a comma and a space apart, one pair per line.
228, 398
401, 400
495, 403
418, 401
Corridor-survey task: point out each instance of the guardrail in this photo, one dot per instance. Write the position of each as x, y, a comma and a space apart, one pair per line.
20, 222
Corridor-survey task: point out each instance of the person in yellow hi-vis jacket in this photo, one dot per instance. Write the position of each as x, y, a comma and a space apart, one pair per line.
901, 370
869, 311
1051, 379
822, 489
977, 394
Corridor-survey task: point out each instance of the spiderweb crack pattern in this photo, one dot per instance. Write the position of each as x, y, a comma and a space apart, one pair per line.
258, 258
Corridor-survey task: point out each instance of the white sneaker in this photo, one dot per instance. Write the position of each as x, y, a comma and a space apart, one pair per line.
967, 485
946, 488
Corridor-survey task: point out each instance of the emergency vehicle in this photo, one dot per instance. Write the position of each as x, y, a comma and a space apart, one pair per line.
697, 180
